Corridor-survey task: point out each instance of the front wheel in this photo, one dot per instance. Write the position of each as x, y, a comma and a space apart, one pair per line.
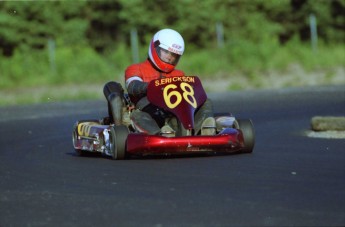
118, 138
247, 128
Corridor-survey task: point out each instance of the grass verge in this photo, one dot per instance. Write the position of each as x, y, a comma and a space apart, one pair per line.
79, 72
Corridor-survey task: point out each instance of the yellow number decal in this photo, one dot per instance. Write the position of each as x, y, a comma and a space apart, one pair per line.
167, 96
188, 95
84, 128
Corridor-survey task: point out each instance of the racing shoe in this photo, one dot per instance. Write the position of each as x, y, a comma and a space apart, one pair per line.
208, 127
167, 131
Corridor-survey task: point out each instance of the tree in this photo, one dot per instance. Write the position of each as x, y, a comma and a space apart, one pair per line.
31, 24
107, 23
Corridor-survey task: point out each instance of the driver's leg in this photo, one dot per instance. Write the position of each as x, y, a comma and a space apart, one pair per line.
113, 92
204, 119
143, 122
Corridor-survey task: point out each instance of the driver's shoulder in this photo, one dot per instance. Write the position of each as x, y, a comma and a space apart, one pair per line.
177, 72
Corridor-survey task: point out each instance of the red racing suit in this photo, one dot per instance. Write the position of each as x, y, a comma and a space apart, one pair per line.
145, 72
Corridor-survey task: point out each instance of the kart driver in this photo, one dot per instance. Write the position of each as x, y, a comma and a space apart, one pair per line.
165, 51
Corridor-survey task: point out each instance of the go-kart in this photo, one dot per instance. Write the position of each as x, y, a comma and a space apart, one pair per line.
177, 98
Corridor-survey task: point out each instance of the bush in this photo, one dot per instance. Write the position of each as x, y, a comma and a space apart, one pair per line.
24, 69
82, 65
79, 64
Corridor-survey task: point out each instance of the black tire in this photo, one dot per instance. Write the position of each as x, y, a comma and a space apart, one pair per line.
247, 128
118, 137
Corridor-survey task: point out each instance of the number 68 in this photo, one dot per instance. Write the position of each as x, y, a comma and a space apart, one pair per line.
188, 95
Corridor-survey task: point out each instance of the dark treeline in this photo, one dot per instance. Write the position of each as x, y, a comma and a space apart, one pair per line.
104, 24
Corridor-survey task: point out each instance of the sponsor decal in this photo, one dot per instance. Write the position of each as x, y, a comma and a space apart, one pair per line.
173, 50
169, 80
84, 128
176, 46
173, 94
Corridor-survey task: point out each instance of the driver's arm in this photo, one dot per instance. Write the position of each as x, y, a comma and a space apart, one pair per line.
136, 87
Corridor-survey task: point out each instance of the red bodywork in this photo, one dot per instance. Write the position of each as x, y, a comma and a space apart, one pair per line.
228, 140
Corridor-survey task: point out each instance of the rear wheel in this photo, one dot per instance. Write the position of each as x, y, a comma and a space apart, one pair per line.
118, 137
247, 128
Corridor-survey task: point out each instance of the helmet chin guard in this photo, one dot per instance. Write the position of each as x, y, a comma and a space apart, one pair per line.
169, 40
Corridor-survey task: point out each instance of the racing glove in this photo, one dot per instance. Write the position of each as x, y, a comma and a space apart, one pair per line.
137, 88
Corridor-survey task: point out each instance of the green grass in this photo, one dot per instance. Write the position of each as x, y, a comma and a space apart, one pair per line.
244, 64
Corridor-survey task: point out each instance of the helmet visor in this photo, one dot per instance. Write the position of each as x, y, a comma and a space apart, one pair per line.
167, 56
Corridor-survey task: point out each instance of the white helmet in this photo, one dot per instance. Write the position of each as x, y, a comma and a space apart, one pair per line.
172, 42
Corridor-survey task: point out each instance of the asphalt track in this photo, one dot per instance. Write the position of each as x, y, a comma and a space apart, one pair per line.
289, 179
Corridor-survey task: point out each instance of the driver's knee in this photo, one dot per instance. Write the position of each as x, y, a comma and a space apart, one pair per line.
112, 89
113, 92
204, 112
143, 122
